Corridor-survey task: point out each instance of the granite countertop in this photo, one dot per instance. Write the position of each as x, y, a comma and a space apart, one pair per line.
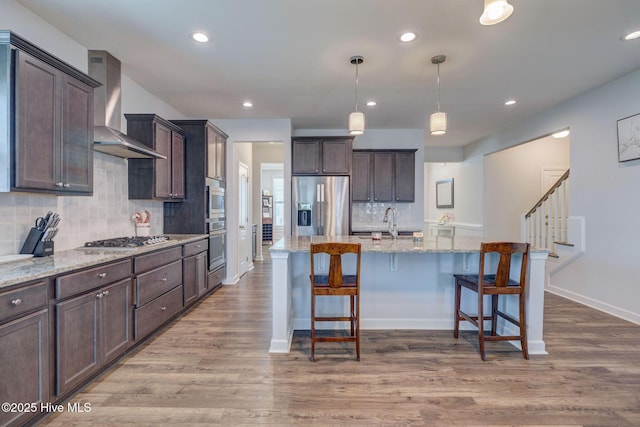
403, 244
74, 259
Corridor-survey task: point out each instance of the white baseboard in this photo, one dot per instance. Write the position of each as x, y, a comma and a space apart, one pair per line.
598, 305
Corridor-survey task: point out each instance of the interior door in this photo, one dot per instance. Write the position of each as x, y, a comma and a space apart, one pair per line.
244, 232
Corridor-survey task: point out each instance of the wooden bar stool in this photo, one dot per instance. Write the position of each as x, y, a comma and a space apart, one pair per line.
332, 284
495, 285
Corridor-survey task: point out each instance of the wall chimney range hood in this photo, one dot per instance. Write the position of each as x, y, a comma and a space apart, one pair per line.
107, 137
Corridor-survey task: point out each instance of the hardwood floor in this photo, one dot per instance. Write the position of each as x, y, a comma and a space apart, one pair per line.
212, 366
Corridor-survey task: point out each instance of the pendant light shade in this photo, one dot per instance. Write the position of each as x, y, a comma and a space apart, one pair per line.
438, 120
495, 11
356, 123
356, 119
438, 123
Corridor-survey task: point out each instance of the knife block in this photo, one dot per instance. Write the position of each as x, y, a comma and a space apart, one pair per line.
43, 248
33, 238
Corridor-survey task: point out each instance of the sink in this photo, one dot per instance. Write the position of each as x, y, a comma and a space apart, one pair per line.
386, 237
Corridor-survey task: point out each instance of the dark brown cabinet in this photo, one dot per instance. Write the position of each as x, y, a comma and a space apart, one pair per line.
160, 179
91, 329
24, 351
216, 152
204, 153
194, 272
321, 156
383, 176
53, 118
93, 321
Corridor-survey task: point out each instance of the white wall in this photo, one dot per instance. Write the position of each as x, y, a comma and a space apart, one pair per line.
467, 199
107, 213
512, 183
603, 191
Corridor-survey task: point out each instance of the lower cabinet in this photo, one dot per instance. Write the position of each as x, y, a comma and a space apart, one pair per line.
24, 371
91, 329
194, 277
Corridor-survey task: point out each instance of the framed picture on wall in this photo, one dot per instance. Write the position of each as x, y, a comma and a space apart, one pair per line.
629, 138
444, 193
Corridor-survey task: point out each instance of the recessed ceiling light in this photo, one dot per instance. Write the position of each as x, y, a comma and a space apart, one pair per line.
247, 104
632, 36
510, 102
371, 103
408, 37
561, 134
200, 37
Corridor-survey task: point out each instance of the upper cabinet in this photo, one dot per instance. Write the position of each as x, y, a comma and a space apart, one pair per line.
321, 155
216, 153
383, 176
50, 109
160, 179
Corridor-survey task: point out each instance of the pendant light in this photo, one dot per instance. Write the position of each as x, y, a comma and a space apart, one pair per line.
356, 119
438, 120
495, 11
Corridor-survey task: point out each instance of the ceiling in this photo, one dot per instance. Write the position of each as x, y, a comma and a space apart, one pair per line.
291, 57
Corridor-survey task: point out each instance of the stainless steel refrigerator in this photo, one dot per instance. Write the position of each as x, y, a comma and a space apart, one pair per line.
320, 205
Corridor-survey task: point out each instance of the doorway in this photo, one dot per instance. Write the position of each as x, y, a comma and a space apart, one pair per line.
244, 233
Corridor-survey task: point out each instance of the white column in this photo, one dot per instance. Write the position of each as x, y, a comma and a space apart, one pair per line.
535, 302
282, 333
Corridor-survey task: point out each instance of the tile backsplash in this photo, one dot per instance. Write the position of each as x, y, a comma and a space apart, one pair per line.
105, 214
369, 216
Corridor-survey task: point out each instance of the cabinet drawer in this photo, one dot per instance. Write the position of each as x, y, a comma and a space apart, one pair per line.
76, 283
156, 282
157, 312
23, 300
194, 248
216, 277
149, 262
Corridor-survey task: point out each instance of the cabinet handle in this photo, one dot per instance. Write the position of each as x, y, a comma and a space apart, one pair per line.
164, 309
59, 184
105, 293
164, 280
100, 295
67, 185
198, 246
102, 275
16, 301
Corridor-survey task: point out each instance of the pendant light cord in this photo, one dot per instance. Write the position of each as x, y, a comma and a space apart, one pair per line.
438, 88
356, 86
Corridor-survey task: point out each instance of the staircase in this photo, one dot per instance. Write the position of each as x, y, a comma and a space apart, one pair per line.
546, 224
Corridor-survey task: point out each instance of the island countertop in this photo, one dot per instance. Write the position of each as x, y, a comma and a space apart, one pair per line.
403, 244
74, 259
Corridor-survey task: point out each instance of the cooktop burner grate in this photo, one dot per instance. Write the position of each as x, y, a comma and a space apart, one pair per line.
126, 242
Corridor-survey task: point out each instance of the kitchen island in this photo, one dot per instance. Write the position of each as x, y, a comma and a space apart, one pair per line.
404, 285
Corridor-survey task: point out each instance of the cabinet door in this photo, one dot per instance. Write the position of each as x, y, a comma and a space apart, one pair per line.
405, 177
306, 157
177, 166
221, 148
77, 136
212, 152
336, 156
189, 281
37, 154
24, 371
116, 313
383, 177
162, 167
77, 353
201, 273
361, 177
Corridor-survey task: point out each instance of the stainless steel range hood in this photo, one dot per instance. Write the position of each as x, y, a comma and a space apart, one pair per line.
107, 137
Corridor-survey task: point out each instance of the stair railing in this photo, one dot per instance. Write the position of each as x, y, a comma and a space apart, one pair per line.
546, 222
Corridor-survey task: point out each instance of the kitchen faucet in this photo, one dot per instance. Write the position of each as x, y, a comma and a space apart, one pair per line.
393, 225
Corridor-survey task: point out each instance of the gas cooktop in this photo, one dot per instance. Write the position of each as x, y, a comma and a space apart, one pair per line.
126, 242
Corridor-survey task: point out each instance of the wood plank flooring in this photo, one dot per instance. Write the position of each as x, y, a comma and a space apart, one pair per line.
212, 366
